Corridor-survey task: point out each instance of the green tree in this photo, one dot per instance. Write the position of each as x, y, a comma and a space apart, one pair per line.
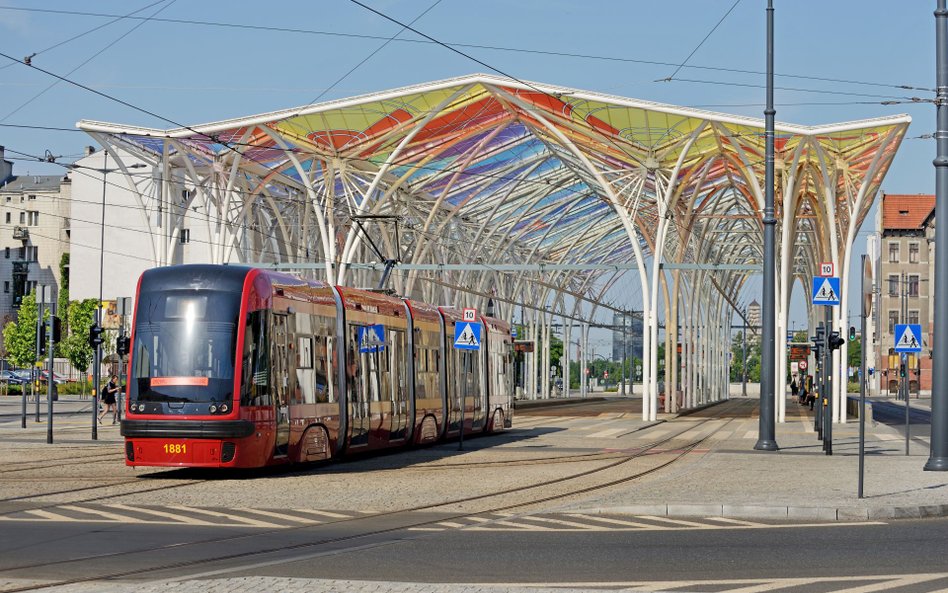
62, 304
76, 344
19, 337
855, 352
556, 354
739, 362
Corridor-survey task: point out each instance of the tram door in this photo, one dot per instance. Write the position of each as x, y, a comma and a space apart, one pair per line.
358, 379
281, 381
398, 378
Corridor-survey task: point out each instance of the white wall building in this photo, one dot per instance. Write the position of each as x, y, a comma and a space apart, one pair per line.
144, 227
34, 233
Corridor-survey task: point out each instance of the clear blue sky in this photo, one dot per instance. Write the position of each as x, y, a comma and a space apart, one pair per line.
194, 73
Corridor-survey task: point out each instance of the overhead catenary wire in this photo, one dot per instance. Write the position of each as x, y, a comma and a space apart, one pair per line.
522, 50
706, 37
116, 19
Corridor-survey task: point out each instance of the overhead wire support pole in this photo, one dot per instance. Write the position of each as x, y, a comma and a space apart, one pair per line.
938, 457
767, 440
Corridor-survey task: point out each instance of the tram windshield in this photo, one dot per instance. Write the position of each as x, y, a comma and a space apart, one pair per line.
184, 347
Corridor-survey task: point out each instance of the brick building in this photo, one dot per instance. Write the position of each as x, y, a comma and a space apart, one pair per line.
905, 281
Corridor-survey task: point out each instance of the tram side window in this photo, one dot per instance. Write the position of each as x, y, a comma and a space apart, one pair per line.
255, 387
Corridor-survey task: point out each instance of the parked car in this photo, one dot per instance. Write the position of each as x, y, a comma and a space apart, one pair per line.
23, 374
58, 379
12, 378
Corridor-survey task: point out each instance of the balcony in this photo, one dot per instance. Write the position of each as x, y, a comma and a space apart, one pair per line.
21, 233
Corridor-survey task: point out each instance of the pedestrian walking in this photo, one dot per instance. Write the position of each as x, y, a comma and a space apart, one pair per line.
794, 389
108, 399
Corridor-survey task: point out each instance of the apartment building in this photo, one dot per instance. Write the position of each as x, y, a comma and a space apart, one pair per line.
34, 233
905, 281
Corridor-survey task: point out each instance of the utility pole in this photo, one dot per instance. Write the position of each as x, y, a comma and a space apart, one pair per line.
767, 437
938, 458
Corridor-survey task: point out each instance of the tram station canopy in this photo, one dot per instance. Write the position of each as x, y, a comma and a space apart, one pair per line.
487, 170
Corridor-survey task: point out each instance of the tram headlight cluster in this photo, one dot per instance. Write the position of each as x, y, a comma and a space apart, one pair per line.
221, 409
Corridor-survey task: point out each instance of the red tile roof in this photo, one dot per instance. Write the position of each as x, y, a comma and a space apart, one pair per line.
903, 212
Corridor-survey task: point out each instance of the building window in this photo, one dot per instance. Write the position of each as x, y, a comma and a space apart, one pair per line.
893, 319
913, 316
185, 235
32, 253
8, 218
913, 253
22, 253
21, 199
893, 285
32, 197
8, 199
913, 285
6, 253
6, 286
34, 217
22, 217
893, 253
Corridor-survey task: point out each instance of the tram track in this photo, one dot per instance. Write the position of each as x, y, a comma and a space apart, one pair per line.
653, 449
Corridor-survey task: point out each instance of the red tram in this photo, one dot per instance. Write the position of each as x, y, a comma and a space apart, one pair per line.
232, 366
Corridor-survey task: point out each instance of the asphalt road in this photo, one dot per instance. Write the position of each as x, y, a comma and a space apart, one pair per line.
494, 553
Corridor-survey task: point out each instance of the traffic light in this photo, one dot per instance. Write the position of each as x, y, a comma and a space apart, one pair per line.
835, 341
122, 344
852, 333
42, 341
95, 336
902, 370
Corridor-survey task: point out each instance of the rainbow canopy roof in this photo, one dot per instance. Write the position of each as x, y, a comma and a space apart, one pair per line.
483, 169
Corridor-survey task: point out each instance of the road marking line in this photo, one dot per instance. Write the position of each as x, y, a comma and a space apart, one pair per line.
582, 526
280, 516
615, 521
452, 524
736, 522
52, 516
236, 518
518, 526
750, 584
322, 513
676, 521
105, 514
174, 517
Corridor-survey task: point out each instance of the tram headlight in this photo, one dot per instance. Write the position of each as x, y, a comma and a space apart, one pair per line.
212, 409
224, 408
141, 407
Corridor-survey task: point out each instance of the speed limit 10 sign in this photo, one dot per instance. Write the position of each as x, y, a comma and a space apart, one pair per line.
469, 315
827, 269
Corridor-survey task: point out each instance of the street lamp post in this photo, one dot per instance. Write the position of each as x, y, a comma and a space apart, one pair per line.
95, 332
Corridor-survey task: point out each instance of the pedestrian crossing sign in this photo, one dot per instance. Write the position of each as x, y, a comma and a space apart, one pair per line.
825, 291
467, 336
908, 337
372, 338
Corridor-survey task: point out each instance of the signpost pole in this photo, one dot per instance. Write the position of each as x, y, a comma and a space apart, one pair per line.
828, 390
863, 375
35, 374
50, 382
